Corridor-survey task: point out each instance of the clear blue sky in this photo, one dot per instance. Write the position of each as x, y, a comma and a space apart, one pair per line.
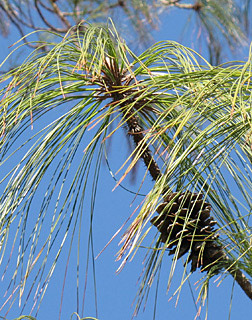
115, 292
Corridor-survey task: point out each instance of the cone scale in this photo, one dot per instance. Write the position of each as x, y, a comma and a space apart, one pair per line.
186, 226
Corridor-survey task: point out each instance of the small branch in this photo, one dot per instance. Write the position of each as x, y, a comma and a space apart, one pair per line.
101, 8
136, 131
231, 267
60, 15
46, 7
18, 27
45, 21
242, 280
196, 6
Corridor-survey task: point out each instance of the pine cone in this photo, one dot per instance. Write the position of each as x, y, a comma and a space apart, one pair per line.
185, 218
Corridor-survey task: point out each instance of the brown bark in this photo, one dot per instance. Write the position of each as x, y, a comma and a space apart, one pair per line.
136, 131
243, 281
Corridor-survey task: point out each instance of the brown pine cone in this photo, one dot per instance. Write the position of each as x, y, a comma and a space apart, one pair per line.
185, 220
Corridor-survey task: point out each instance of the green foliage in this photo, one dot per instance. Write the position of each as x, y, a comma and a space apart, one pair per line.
196, 120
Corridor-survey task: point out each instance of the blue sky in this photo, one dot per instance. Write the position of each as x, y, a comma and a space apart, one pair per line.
115, 292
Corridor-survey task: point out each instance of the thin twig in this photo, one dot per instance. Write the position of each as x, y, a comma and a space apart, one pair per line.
193, 6
103, 8
61, 16
47, 23
45, 6
18, 27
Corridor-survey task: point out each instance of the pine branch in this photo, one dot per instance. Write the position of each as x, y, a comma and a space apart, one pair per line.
113, 78
136, 131
241, 279
199, 229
